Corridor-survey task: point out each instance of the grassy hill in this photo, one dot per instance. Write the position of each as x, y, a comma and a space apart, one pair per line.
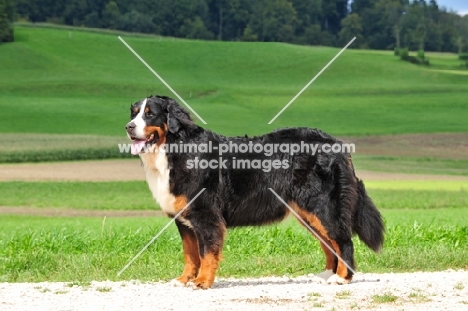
64, 81
68, 81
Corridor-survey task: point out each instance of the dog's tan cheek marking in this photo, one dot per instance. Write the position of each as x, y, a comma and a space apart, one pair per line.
316, 224
157, 129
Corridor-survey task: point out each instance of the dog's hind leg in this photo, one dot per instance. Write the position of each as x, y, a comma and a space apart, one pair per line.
335, 270
330, 262
211, 239
345, 250
191, 255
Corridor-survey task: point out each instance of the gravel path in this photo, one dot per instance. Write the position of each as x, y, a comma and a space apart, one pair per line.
446, 290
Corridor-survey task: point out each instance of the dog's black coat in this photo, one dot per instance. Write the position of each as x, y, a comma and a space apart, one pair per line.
322, 184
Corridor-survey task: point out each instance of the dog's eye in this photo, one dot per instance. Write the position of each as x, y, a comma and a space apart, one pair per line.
148, 114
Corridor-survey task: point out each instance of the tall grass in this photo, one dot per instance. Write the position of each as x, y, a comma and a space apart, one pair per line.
64, 249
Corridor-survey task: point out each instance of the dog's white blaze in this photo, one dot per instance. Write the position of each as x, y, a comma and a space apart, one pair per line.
157, 176
140, 123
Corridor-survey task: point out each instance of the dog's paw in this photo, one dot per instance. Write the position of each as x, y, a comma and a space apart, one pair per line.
335, 279
323, 277
200, 284
177, 283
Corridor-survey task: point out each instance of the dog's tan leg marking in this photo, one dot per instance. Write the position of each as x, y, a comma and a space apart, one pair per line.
206, 275
191, 257
329, 256
316, 224
341, 276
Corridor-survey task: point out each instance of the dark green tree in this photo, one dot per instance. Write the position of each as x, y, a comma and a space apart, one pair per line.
333, 11
308, 13
111, 15
273, 20
359, 6
249, 35
351, 26
195, 29
6, 21
75, 11
135, 21
228, 18
394, 11
313, 35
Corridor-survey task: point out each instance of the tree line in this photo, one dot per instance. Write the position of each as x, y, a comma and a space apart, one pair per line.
6, 20
377, 24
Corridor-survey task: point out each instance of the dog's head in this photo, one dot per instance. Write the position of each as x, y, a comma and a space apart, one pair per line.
153, 118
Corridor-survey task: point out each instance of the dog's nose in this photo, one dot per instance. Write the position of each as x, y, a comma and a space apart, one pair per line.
130, 126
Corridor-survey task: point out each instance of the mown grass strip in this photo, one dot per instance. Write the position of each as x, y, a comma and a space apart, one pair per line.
411, 165
63, 155
134, 195
428, 185
31, 147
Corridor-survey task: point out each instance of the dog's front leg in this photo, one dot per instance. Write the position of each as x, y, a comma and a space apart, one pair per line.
191, 254
210, 240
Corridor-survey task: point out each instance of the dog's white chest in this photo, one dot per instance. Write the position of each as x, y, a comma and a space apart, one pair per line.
157, 176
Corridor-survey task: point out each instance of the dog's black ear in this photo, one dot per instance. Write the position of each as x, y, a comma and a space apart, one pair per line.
177, 117
172, 123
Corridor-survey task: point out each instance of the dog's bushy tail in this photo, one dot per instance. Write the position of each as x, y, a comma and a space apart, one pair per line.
368, 223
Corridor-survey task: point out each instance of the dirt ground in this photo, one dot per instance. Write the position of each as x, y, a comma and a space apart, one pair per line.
425, 291
128, 170
107, 170
452, 146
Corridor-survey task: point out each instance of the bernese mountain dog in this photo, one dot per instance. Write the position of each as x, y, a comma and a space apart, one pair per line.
321, 187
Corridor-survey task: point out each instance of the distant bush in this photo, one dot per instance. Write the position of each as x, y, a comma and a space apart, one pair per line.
396, 51
464, 56
403, 52
420, 54
418, 60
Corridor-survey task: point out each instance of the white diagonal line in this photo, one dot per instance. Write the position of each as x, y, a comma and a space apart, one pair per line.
312, 230
162, 80
311, 81
159, 233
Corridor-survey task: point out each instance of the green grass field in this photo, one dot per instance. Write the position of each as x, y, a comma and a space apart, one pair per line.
426, 229
84, 249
